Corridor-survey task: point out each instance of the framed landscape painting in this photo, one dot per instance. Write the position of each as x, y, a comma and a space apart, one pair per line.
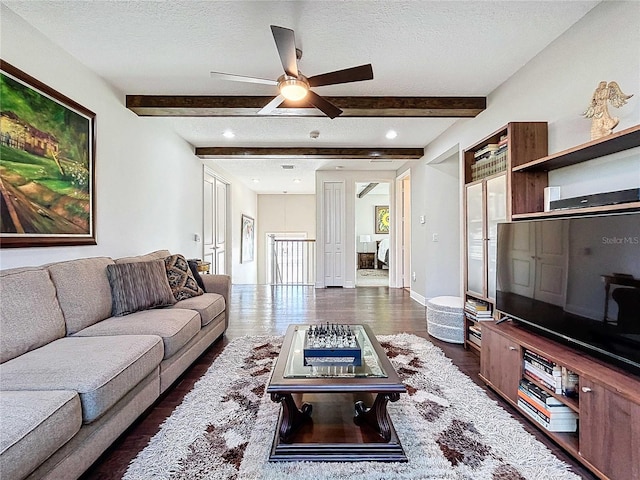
382, 219
47, 165
247, 240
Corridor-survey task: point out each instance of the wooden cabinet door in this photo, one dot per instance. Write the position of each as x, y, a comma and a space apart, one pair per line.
609, 431
501, 363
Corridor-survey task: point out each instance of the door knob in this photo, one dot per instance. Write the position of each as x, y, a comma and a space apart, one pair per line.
586, 389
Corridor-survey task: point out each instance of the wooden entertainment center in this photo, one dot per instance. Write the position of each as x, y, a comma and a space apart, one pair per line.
608, 402
607, 406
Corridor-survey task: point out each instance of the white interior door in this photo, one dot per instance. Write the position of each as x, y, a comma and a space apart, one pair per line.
333, 217
215, 223
406, 232
539, 256
551, 261
522, 255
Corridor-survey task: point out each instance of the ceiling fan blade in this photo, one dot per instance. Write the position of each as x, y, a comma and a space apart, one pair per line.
271, 106
242, 78
286, 45
325, 106
353, 74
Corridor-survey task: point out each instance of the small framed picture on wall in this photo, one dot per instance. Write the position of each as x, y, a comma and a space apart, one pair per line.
247, 240
382, 219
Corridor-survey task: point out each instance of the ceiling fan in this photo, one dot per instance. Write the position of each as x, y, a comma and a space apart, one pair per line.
294, 86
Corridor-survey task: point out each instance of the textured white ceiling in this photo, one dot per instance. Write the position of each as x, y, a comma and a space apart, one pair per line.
417, 48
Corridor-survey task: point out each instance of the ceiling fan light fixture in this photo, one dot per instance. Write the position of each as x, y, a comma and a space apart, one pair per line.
293, 89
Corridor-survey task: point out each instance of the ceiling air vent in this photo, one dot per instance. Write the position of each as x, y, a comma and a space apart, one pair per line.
287, 167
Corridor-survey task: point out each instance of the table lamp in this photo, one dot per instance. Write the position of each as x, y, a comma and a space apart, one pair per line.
365, 239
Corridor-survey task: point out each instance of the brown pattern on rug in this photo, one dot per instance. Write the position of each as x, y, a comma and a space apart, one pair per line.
224, 445
459, 446
393, 350
448, 426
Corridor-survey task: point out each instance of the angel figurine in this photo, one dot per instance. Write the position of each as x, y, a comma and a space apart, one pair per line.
602, 124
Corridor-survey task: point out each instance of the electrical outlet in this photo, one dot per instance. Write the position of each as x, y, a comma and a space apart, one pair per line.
413, 276
435, 238
196, 237
422, 219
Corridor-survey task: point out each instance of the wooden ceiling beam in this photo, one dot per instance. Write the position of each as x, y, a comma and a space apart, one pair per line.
367, 189
212, 153
248, 106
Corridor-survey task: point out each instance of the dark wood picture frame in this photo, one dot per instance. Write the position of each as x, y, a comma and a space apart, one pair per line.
247, 239
47, 179
382, 219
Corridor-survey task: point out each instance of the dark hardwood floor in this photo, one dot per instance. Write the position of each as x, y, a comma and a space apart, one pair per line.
265, 310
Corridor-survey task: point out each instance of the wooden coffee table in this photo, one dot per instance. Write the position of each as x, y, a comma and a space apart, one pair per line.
335, 413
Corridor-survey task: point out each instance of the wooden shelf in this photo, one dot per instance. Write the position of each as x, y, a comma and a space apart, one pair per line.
609, 397
473, 346
617, 142
623, 207
569, 402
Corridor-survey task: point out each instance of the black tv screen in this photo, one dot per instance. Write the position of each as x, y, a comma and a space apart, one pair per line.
576, 280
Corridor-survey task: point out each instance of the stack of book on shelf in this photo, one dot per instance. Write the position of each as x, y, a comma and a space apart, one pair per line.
477, 310
545, 409
543, 370
490, 159
475, 334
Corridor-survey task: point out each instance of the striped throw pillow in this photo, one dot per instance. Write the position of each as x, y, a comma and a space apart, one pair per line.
138, 286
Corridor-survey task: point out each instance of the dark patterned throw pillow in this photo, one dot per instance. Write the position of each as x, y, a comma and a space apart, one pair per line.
181, 280
193, 266
138, 286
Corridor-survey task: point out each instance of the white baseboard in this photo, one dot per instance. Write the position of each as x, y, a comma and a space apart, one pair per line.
419, 298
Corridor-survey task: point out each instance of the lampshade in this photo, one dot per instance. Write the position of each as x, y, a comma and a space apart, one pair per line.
365, 239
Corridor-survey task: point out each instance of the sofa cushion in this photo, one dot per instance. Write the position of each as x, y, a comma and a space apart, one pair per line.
101, 369
34, 425
181, 280
157, 255
208, 305
83, 291
138, 286
175, 327
30, 315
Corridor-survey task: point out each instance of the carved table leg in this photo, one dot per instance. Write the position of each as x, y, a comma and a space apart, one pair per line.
377, 415
292, 416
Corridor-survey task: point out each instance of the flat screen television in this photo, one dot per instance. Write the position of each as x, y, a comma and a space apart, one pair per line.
576, 280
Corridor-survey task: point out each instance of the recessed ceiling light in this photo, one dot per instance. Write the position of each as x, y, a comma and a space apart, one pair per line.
228, 134
391, 134
296, 180
255, 180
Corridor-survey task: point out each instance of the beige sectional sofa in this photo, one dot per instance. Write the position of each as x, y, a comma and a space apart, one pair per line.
72, 377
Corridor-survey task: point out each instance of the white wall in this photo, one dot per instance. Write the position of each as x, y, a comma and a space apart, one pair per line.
442, 254
436, 196
556, 86
283, 214
148, 181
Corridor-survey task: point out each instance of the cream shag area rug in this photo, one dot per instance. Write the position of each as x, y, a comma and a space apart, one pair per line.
447, 425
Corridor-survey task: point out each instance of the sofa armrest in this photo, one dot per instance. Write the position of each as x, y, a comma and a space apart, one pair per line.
220, 284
